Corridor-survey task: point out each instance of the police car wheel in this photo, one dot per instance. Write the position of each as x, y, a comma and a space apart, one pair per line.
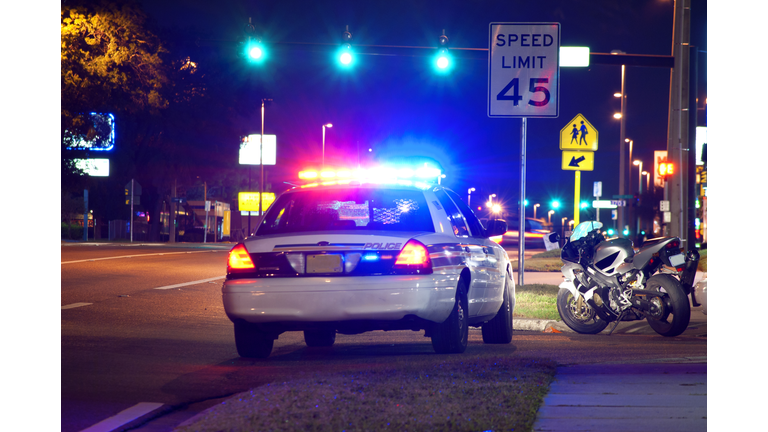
499, 329
319, 338
250, 342
451, 335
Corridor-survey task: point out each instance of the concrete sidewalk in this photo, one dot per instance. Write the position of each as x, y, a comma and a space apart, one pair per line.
626, 397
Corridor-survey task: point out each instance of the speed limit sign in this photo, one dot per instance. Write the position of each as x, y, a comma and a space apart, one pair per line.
524, 70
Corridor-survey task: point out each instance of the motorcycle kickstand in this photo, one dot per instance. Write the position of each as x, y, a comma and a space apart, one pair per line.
618, 320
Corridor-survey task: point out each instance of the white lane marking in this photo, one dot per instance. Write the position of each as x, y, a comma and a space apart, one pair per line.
191, 283
74, 305
131, 256
123, 417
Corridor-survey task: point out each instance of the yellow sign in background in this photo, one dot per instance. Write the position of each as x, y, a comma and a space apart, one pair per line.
249, 201
578, 160
578, 134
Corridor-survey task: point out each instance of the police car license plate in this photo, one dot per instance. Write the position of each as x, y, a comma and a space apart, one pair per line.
677, 260
325, 263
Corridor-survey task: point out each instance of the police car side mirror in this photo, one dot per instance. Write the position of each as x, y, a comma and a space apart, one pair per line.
496, 227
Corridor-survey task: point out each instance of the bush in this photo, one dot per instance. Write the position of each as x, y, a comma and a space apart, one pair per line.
76, 232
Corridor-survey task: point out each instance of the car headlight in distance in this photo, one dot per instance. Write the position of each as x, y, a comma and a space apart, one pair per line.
239, 259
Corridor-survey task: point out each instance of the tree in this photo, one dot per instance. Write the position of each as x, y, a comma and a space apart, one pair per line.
175, 105
110, 62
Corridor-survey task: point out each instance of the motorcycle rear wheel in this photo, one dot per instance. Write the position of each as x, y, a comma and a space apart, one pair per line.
676, 312
580, 319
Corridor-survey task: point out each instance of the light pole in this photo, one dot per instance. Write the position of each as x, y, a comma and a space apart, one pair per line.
325, 126
534, 210
639, 163
490, 202
647, 180
549, 216
469, 195
622, 151
261, 160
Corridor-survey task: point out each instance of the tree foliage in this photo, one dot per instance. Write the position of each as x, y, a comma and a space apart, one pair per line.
109, 59
177, 107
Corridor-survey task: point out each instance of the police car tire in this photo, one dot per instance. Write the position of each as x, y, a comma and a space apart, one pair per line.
250, 342
499, 329
319, 338
451, 336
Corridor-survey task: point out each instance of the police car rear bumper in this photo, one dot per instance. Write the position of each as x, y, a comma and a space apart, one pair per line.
323, 299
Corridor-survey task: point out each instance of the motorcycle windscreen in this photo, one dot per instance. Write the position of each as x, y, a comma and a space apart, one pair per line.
585, 228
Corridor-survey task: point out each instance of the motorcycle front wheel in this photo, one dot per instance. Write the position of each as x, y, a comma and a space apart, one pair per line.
578, 315
674, 311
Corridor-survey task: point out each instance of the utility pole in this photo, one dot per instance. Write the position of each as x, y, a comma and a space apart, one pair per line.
172, 216
678, 137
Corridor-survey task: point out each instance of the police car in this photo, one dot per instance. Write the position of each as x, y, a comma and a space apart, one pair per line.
353, 256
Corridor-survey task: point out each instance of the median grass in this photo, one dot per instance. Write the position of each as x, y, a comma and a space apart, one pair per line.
548, 261
463, 393
536, 301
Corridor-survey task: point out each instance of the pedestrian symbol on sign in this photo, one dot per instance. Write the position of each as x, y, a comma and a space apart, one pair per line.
584, 133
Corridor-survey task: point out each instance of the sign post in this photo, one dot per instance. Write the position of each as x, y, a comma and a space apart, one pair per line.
578, 141
523, 82
597, 192
132, 188
205, 225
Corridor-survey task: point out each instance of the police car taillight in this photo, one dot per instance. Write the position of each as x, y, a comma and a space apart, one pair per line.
239, 258
414, 256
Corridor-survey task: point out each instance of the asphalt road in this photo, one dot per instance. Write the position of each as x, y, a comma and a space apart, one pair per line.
141, 333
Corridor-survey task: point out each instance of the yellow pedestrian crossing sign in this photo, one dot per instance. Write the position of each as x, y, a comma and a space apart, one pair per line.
578, 134
578, 160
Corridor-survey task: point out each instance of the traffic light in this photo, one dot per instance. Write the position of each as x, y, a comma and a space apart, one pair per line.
345, 55
253, 49
666, 169
443, 61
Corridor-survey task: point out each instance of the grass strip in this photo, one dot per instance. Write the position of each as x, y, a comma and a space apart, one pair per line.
548, 261
536, 301
464, 393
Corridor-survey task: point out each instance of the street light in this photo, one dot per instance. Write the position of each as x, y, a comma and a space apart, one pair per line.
647, 180
489, 204
549, 216
469, 195
534, 210
261, 162
325, 126
639, 163
622, 152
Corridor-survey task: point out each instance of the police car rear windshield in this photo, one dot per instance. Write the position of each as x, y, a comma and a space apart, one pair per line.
356, 209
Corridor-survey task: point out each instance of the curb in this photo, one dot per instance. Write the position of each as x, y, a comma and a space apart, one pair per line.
540, 325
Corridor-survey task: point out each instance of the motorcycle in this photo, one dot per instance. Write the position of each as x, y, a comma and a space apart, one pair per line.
606, 281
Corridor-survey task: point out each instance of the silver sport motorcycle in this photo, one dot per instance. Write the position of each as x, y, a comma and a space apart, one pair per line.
606, 281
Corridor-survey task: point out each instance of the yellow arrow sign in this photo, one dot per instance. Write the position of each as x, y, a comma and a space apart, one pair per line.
578, 134
578, 160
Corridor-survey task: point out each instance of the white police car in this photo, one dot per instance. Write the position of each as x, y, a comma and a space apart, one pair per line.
353, 256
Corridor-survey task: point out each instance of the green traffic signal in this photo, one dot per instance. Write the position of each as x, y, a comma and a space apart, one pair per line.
255, 51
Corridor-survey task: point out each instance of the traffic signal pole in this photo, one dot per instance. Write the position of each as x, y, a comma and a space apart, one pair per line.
678, 136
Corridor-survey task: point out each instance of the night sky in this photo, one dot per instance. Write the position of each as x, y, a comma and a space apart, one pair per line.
398, 107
